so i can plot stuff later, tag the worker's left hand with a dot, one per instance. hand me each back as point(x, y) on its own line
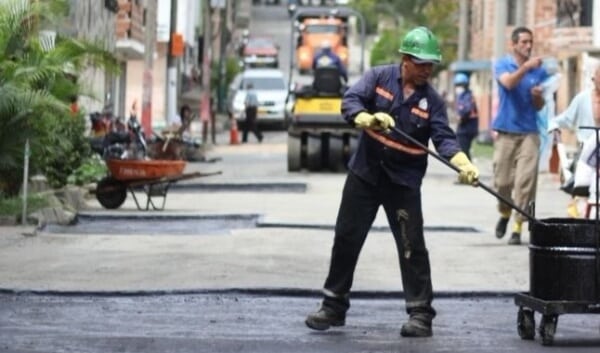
point(469, 174)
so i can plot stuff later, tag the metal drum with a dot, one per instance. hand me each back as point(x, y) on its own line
point(563, 260)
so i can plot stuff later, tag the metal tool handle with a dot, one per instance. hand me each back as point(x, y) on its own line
point(479, 183)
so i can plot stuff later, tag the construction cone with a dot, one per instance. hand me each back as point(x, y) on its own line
point(234, 137)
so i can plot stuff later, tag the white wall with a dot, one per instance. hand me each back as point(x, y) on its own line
point(188, 17)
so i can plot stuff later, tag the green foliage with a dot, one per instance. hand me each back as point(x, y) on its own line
point(385, 50)
point(90, 171)
point(369, 11)
point(13, 206)
point(63, 149)
point(232, 68)
point(37, 80)
point(439, 16)
point(481, 150)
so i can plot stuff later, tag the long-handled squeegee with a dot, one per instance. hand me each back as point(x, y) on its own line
point(479, 183)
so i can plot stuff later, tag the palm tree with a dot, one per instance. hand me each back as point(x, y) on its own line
point(36, 83)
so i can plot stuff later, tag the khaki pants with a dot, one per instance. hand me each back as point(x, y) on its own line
point(516, 159)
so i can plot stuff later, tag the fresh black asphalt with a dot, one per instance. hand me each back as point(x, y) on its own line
point(242, 322)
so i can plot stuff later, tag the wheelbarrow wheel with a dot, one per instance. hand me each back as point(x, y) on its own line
point(526, 324)
point(547, 329)
point(111, 193)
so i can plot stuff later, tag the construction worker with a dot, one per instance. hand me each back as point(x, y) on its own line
point(387, 170)
point(466, 109)
point(327, 58)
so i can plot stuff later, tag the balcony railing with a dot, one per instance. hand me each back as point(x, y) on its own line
point(130, 29)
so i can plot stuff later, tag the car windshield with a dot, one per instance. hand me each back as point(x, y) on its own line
point(260, 44)
point(322, 29)
point(264, 83)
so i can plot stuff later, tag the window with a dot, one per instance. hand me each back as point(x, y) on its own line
point(574, 13)
point(322, 29)
point(112, 5)
point(511, 12)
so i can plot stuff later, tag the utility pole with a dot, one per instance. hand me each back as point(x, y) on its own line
point(149, 46)
point(222, 55)
point(205, 99)
point(172, 66)
point(500, 19)
point(463, 29)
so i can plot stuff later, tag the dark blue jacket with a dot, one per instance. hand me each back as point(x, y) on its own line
point(423, 116)
point(466, 109)
point(327, 58)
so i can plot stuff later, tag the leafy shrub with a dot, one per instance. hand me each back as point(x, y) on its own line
point(62, 149)
point(90, 171)
point(13, 206)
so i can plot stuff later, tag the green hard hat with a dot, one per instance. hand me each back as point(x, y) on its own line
point(421, 44)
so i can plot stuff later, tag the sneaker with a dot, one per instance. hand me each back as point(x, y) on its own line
point(324, 318)
point(515, 239)
point(501, 227)
point(417, 326)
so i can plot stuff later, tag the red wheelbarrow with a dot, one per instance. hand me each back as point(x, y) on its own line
point(153, 177)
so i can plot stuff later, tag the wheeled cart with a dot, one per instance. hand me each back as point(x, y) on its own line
point(564, 259)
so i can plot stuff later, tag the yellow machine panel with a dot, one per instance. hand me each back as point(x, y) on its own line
point(318, 106)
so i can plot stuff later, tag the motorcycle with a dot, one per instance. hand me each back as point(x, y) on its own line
point(121, 140)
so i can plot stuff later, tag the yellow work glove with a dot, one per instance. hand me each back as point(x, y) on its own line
point(469, 174)
point(377, 121)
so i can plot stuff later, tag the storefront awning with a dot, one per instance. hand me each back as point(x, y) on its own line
point(470, 65)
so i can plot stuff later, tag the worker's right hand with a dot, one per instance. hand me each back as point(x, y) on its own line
point(377, 121)
point(468, 173)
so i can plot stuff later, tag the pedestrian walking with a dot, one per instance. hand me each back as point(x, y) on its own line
point(251, 113)
point(584, 110)
point(517, 144)
point(387, 170)
point(466, 110)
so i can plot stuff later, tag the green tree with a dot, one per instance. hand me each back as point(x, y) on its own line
point(37, 80)
point(439, 16)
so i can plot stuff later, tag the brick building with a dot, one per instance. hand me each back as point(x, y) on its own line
point(563, 30)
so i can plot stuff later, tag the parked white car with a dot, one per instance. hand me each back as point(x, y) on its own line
point(271, 90)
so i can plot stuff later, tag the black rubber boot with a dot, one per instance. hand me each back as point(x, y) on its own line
point(324, 318)
point(515, 239)
point(418, 325)
point(501, 227)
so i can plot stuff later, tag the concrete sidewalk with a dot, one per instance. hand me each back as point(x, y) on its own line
point(274, 258)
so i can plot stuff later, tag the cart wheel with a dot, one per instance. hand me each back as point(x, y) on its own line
point(111, 193)
point(526, 324)
point(547, 329)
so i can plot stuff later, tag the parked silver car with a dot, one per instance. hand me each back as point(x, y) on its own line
point(271, 90)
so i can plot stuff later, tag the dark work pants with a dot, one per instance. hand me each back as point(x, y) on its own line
point(251, 125)
point(466, 132)
point(359, 205)
point(465, 140)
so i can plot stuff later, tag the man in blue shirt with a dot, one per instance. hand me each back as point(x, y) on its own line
point(327, 58)
point(387, 170)
point(516, 148)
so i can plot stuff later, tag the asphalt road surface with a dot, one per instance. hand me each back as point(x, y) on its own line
point(238, 322)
